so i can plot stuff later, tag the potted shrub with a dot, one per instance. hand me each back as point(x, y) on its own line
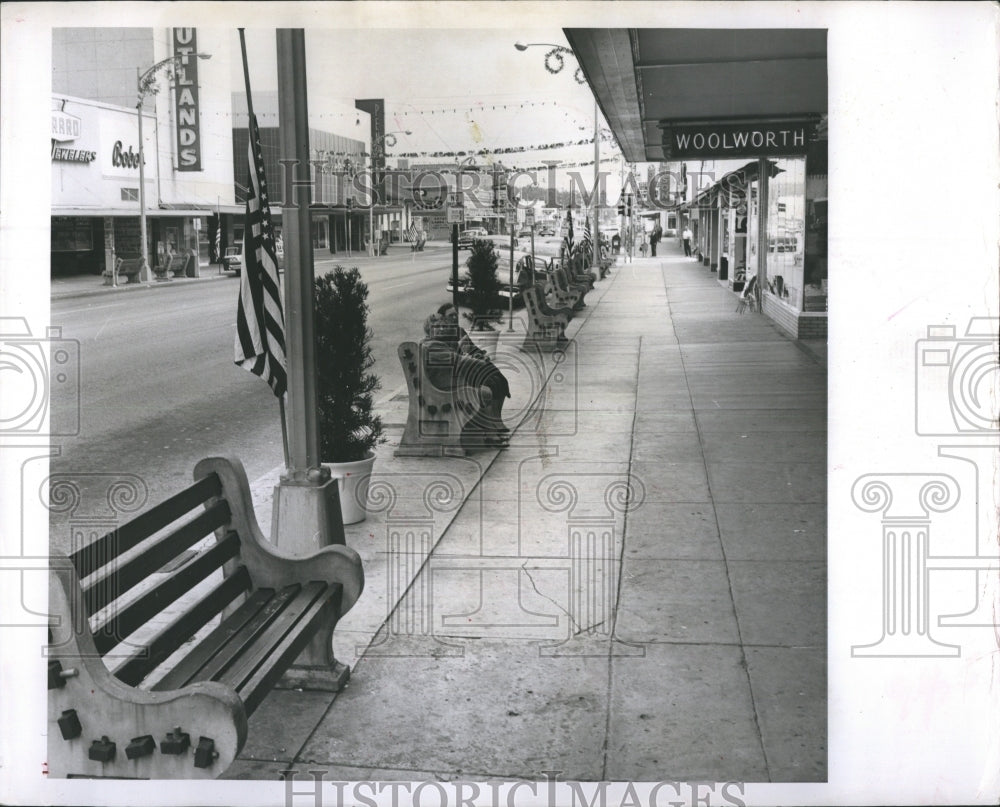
point(483, 296)
point(348, 428)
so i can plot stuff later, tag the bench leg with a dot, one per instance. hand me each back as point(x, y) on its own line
point(316, 668)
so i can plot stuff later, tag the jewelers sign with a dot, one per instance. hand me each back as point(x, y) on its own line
point(186, 109)
point(682, 141)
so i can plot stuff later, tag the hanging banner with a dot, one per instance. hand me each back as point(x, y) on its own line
point(707, 140)
point(375, 107)
point(186, 108)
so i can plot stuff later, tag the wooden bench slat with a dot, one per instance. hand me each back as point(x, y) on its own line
point(239, 673)
point(189, 667)
point(279, 658)
point(145, 607)
point(116, 581)
point(169, 639)
point(92, 557)
point(227, 647)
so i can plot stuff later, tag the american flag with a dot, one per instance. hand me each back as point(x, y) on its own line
point(569, 215)
point(411, 232)
point(586, 232)
point(260, 321)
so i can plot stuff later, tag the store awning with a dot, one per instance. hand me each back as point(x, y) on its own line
point(645, 78)
point(126, 212)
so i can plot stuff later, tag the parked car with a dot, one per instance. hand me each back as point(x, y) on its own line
point(472, 234)
point(233, 259)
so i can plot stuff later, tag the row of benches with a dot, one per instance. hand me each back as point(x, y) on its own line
point(437, 418)
point(131, 269)
point(168, 632)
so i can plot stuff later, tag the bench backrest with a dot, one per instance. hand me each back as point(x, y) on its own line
point(125, 265)
point(111, 568)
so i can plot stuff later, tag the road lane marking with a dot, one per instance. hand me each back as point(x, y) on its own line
point(398, 285)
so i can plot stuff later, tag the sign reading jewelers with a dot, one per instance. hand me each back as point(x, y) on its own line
point(186, 110)
point(737, 140)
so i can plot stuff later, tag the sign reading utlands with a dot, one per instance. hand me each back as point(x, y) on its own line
point(186, 110)
point(736, 139)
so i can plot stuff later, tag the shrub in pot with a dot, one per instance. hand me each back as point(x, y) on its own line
point(483, 297)
point(348, 427)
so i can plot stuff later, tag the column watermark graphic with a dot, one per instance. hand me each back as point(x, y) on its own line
point(956, 401)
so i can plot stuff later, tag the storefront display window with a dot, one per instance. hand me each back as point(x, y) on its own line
point(786, 216)
point(752, 228)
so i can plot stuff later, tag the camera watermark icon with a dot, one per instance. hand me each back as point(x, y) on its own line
point(958, 379)
point(957, 386)
point(35, 371)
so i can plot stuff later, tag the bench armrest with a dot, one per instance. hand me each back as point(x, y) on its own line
point(106, 706)
point(270, 566)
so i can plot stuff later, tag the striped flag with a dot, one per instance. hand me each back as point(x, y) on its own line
point(569, 237)
point(260, 321)
point(411, 232)
point(586, 232)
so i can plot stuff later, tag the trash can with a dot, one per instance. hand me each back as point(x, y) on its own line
point(616, 243)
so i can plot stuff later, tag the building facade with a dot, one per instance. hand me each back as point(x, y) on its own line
point(186, 145)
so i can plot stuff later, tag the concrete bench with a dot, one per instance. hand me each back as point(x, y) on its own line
point(546, 326)
point(569, 290)
point(436, 418)
point(131, 268)
point(164, 640)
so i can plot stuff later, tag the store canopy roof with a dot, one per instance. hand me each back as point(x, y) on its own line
point(153, 212)
point(645, 77)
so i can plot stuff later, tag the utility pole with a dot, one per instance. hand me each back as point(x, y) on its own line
point(307, 500)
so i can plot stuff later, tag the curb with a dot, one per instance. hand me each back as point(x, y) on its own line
point(134, 287)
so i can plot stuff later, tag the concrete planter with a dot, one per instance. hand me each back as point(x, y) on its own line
point(352, 480)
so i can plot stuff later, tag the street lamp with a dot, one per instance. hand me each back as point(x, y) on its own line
point(146, 85)
point(556, 55)
point(390, 141)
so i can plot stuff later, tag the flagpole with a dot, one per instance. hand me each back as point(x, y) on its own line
point(246, 80)
point(284, 430)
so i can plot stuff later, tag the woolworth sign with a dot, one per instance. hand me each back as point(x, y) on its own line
point(737, 140)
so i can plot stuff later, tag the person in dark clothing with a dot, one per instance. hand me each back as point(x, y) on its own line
point(654, 239)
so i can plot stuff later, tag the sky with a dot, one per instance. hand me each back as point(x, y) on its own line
point(453, 89)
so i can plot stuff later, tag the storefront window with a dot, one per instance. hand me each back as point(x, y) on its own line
point(815, 261)
point(786, 219)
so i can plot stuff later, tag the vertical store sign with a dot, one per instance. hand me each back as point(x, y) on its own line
point(375, 107)
point(186, 107)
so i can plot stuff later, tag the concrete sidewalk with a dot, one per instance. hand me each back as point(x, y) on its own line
point(634, 590)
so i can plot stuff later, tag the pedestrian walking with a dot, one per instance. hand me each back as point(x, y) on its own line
point(654, 239)
point(687, 236)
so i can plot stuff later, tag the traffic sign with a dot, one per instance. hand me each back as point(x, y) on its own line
point(529, 217)
point(456, 215)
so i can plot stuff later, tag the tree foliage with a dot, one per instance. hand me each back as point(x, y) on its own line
point(483, 297)
point(345, 386)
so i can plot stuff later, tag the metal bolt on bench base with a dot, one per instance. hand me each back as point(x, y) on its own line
point(176, 743)
point(69, 725)
point(102, 750)
point(140, 747)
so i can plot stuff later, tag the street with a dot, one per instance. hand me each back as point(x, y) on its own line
point(159, 390)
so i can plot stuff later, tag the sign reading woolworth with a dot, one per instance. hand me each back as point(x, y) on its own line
point(736, 139)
